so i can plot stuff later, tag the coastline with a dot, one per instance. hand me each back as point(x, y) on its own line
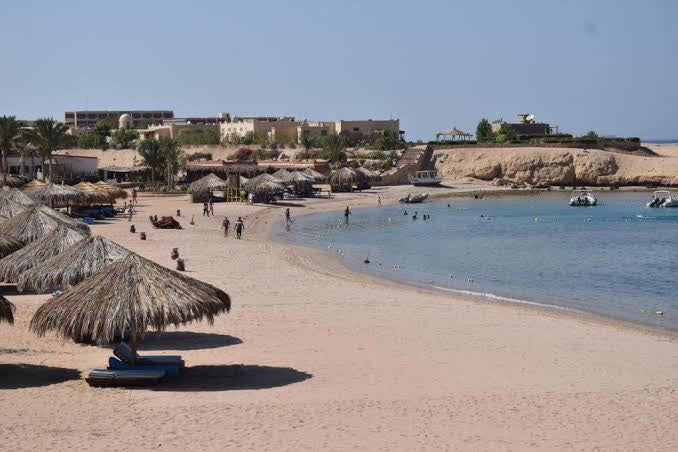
point(321, 259)
point(336, 359)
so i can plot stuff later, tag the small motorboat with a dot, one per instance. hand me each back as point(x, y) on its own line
point(413, 199)
point(663, 198)
point(428, 177)
point(583, 198)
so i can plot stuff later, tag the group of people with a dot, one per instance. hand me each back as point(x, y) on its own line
point(239, 227)
point(208, 208)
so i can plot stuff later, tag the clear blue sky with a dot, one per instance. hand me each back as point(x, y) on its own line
point(610, 66)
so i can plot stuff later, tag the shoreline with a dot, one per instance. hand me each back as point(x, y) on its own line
point(321, 258)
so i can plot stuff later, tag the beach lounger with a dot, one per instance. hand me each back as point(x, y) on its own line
point(116, 364)
point(124, 352)
point(106, 377)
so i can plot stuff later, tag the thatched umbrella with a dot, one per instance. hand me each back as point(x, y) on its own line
point(242, 180)
point(313, 174)
point(16, 195)
point(207, 183)
point(55, 195)
point(116, 192)
point(265, 188)
point(37, 252)
point(261, 178)
point(281, 174)
point(68, 268)
point(99, 195)
point(8, 245)
point(35, 222)
point(9, 208)
point(131, 296)
point(343, 179)
point(6, 310)
point(32, 186)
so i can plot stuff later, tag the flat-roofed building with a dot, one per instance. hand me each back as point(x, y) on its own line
point(367, 127)
point(271, 126)
point(525, 125)
point(87, 119)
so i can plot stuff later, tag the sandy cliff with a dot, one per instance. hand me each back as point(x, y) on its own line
point(560, 166)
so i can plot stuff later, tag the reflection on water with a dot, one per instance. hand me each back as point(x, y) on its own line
point(616, 259)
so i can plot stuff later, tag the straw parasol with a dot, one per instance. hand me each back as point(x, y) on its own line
point(260, 178)
point(8, 245)
point(265, 188)
point(9, 208)
point(369, 175)
point(97, 194)
point(281, 174)
point(129, 296)
point(6, 310)
point(32, 186)
point(313, 174)
point(68, 268)
point(56, 195)
point(210, 182)
point(116, 192)
point(345, 178)
point(38, 252)
point(35, 222)
point(16, 195)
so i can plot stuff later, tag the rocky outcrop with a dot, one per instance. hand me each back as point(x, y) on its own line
point(548, 166)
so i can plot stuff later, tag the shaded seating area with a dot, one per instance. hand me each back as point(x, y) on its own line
point(347, 179)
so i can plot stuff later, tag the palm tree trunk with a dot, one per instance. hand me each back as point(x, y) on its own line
point(32, 165)
point(21, 163)
point(49, 161)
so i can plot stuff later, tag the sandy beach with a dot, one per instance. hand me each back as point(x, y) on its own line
point(337, 360)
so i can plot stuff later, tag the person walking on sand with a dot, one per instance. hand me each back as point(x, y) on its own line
point(288, 217)
point(134, 195)
point(211, 206)
point(226, 224)
point(205, 209)
point(239, 226)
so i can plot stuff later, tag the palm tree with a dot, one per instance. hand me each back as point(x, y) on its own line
point(48, 135)
point(172, 152)
point(9, 132)
point(24, 145)
point(151, 152)
point(307, 141)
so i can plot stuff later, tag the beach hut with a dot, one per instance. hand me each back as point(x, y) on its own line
point(17, 196)
point(35, 222)
point(32, 186)
point(38, 251)
point(316, 176)
point(55, 195)
point(9, 208)
point(264, 190)
point(132, 296)
point(80, 261)
point(6, 310)
point(370, 177)
point(8, 245)
point(345, 178)
point(203, 188)
point(301, 183)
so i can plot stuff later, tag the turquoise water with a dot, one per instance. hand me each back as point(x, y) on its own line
point(617, 259)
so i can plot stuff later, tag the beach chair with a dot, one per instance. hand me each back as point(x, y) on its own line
point(116, 364)
point(106, 377)
point(125, 353)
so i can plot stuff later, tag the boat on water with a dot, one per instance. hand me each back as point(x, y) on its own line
point(426, 178)
point(663, 198)
point(413, 199)
point(583, 198)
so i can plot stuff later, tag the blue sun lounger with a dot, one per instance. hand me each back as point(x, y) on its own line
point(124, 353)
point(108, 377)
point(116, 364)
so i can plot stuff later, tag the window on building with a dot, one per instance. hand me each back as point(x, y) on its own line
point(323, 133)
point(356, 129)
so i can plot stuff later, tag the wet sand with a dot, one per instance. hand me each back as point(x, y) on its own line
point(338, 360)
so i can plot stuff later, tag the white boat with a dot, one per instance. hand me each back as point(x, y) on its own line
point(663, 198)
point(427, 177)
point(413, 199)
point(583, 198)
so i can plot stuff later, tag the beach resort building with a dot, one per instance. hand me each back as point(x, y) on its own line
point(525, 125)
point(271, 126)
point(63, 165)
point(87, 119)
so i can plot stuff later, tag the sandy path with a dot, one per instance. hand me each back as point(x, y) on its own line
point(341, 361)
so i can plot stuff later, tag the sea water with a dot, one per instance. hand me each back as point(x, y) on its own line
point(618, 259)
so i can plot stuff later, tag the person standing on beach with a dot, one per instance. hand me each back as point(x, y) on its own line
point(288, 217)
point(226, 224)
point(239, 226)
point(347, 212)
point(134, 195)
point(379, 201)
point(205, 209)
point(211, 206)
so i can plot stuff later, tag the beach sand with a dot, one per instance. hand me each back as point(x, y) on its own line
point(338, 360)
